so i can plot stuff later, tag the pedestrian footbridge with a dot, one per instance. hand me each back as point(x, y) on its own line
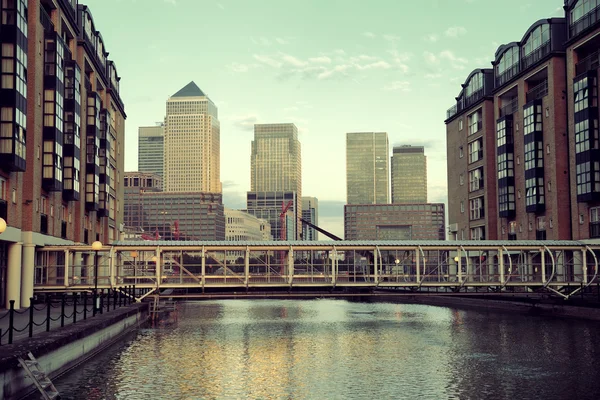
point(455, 265)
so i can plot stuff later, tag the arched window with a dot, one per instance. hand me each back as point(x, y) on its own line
point(538, 37)
point(508, 60)
point(475, 84)
point(582, 8)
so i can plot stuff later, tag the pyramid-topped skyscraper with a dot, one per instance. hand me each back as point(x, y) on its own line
point(192, 142)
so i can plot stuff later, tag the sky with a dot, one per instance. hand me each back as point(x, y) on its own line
point(329, 66)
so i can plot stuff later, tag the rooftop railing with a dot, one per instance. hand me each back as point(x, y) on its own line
point(538, 91)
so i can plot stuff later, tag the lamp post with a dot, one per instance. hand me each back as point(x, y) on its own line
point(96, 246)
point(134, 254)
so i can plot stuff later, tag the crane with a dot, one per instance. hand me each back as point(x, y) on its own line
point(176, 231)
point(149, 237)
point(284, 210)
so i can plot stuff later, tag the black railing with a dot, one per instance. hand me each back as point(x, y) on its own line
point(536, 55)
point(507, 75)
point(594, 229)
point(540, 234)
point(45, 20)
point(63, 309)
point(510, 108)
point(584, 22)
point(44, 224)
point(538, 91)
point(473, 98)
point(589, 63)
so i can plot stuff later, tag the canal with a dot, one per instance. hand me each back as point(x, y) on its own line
point(335, 349)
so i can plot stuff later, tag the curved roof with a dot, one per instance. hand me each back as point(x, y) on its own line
point(475, 71)
point(570, 3)
point(502, 49)
point(543, 21)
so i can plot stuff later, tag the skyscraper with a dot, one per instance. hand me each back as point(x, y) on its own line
point(191, 143)
point(367, 168)
point(276, 164)
point(310, 212)
point(151, 149)
point(409, 175)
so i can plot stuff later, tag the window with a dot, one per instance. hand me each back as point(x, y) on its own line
point(460, 124)
point(475, 84)
point(460, 152)
point(475, 179)
point(475, 151)
point(582, 8)
point(478, 233)
point(541, 223)
point(508, 63)
point(594, 222)
point(461, 179)
point(462, 207)
point(537, 38)
point(476, 209)
point(505, 165)
point(474, 121)
point(504, 134)
point(506, 201)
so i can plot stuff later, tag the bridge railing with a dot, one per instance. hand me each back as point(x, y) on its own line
point(443, 264)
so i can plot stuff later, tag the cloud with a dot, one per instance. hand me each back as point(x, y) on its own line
point(245, 122)
point(398, 86)
point(370, 35)
point(391, 38)
point(236, 67)
point(281, 41)
point(455, 31)
point(431, 38)
point(455, 62)
point(336, 64)
point(233, 198)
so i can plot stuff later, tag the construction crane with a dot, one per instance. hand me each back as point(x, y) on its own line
point(149, 237)
point(321, 230)
point(284, 210)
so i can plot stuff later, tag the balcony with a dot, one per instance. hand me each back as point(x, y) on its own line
point(536, 55)
point(44, 224)
point(538, 91)
point(46, 21)
point(584, 22)
point(473, 98)
point(452, 111)
point(589, 63)
point(4, 210)
point(510, 108)
point(594, 230)
point(540, 234)
point(507, 75)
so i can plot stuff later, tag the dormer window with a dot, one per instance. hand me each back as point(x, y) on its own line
point(582, 8)
point(539, 37)
point(475, 84)
point(508, 60)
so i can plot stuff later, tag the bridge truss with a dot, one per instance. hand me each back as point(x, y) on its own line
point(158, 265)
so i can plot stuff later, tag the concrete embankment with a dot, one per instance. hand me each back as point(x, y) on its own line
point(524, 305)
point(60, 350)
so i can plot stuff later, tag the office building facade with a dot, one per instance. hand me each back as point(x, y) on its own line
point(151, 149)
point(268, 206)
point(367, 168)
point(310, 213)
point(62, 135)
point(276, 166)
point(242, 226)
point(191, 143)
point(394, 222)
point(409, 174)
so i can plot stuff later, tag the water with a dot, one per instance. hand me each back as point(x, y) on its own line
point(334, 349)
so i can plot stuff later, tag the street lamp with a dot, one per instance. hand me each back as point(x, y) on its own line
point(134, 254)
point(2, 225)
point(96, 246)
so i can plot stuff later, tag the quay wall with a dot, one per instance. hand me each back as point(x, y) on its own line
point(59, 350)
point(524, 305)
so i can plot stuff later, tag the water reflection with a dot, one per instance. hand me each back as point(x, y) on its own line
point(328, 349)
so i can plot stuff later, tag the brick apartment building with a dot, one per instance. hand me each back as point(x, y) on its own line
point(62, 132)
point(510, 175)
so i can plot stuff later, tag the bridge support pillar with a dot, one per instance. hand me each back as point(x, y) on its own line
point(579, 260)
point(27, 273)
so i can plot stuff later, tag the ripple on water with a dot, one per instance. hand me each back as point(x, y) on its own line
point(328, 349)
